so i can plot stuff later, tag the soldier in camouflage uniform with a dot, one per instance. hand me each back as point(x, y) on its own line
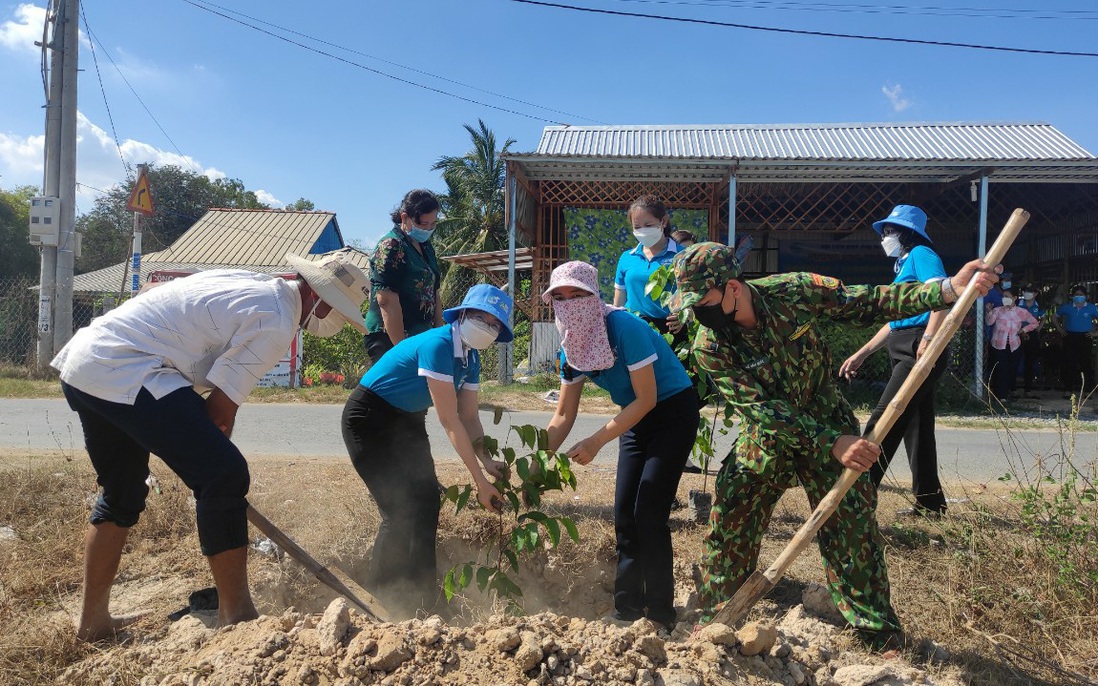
point(760, 344)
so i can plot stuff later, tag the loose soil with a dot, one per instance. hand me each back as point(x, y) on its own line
point(307, 635)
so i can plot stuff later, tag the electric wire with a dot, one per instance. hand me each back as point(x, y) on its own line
point(804, 32)
point(402, 66)
point(854, 8)
point(134, 91)
point(371, 69)
point(103, 90)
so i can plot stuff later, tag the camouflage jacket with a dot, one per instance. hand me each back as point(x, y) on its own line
point(779, 377)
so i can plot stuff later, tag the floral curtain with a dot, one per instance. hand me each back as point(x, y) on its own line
point(599, 237)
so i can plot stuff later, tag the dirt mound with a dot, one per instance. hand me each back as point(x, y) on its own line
point(342, 647)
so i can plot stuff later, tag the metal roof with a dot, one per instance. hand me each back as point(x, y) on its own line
point(247, 237)
point(809, 152)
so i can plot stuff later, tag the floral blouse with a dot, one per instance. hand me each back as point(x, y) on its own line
point(397, 266)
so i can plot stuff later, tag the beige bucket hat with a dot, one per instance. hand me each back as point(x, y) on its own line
point(337, 281)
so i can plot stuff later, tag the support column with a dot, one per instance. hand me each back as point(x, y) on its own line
point(978, 388)
point(732, 209)
point(507, 359)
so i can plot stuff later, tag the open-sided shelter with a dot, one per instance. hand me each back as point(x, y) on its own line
point(807, 195)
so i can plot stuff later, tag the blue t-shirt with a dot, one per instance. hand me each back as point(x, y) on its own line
point(400, 376)
point(921, 264)
point(1077, 319)
point(635, 345)
point(632, 274)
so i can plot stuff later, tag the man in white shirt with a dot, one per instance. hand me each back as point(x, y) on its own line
point(136, 376)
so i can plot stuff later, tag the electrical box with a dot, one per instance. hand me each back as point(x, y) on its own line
point(45, 220)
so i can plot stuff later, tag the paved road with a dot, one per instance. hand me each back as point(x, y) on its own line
point(313, 430)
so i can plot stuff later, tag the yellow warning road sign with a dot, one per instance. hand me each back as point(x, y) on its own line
point(141, 198)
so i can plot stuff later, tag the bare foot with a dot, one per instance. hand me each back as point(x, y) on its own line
point(246, 614)
point(97, 631)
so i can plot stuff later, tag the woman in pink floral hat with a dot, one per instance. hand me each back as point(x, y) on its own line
point(655, 428)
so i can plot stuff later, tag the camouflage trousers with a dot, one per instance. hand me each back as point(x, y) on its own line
point(850, 542)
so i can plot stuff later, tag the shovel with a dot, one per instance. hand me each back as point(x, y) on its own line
point(759, 583)
point(360, 597)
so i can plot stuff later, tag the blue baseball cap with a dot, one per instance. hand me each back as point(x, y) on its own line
point(486, 298)
point(907, 216)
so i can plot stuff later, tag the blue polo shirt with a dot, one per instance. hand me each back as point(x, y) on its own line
point(1077, 319)
point(635, 345)
point(632, 274)
point(400, 376)
point(921, 264)
point(1033, 309)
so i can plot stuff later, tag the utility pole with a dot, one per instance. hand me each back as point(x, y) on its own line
point(67, 241)
point(51, 188)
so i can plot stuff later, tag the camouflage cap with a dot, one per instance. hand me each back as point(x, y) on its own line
point(700, 267)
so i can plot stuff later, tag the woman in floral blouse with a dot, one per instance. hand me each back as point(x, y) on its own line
point(404, 276)
point(1007, 322)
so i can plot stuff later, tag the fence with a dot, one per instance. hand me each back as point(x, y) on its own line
point(19, 316)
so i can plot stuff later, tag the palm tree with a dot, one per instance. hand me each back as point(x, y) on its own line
point(473, 205)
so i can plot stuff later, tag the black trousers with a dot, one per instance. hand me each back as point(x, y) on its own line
point(915, 427)
point(1077, 366)
point(651, 456)
point(1031, 356)
point(1004, 367)
point(377, 344)
point(390, 451)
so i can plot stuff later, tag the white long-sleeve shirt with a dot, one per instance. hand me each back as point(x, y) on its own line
point(215, 329)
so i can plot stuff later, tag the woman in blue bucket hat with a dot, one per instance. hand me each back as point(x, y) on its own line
point(384, 428)
point(904, 237)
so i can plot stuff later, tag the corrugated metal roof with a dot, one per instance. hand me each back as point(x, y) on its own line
point(246, 238)
point(917, 142)
point(109, 279)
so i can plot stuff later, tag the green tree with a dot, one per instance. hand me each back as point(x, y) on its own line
point(180, 198)
point(473, 205)
point(301, 205)
point(18, 258)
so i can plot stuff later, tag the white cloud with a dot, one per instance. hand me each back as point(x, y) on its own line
point(20, 33)
point(895, 97)
point(98, 164)
point(268, 199)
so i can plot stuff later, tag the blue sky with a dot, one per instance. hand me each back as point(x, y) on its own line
point(292, 123)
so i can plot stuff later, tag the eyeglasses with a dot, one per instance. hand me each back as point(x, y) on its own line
point(484, 318)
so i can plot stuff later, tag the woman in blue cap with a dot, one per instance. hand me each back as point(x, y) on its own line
point(384, 428)
point(903, 237)
point(656, 428)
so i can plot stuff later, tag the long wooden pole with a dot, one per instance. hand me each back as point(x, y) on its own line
point(321, 572)
point(760, 583)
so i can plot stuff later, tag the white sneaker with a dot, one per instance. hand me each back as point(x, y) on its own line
point(551, 397)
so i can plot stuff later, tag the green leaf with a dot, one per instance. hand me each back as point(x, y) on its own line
point(497, 414)
point(463, 499)
point(448, 585)
point(570, 527)
point(543, 439)
point(522, 466)
point(466, 575)
point(511, 557)
point(528, 433)
point(553, 528)
point(484, 575)
point(509, 455)
point(513, 498)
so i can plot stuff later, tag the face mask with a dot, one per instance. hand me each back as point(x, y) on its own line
point(1006, 284)
point(477, 334)
point(1079, 299)
point(324, 328)
point(713, 316)
point(420, 235)
point(1029, 296)
point(891, 245)
point(582, 326)
point(648, 235)
point(1008, 302)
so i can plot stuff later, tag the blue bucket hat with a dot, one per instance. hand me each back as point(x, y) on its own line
point(907, 216)
point(486, 298)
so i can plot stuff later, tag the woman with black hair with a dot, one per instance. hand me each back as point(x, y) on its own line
point(655, 248)
point(903, 237)
point(404, 276)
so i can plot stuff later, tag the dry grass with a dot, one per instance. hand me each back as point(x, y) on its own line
point(980, 582)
